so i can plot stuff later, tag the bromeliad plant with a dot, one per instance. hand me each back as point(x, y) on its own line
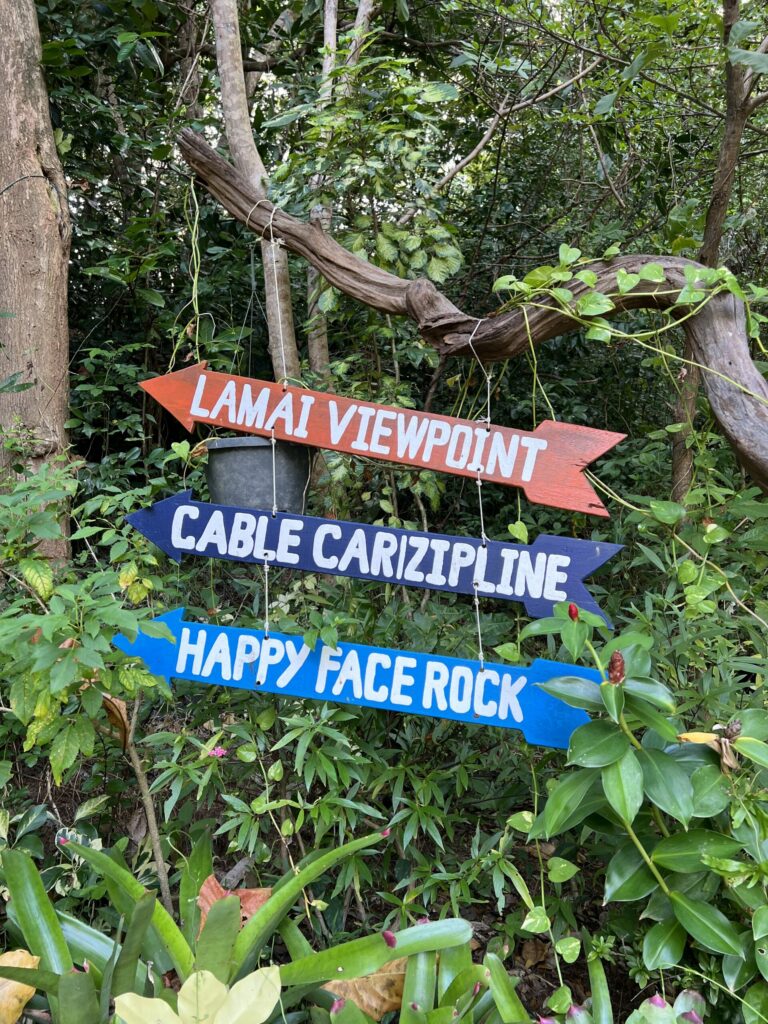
point(215, 968)
point(686, 822)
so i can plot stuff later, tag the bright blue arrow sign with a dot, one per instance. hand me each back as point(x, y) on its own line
point(540, 575)
point(417, 684)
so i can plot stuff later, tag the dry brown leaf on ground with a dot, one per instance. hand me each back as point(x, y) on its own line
point(14, 995)
point(211, 891)
point(376, 994)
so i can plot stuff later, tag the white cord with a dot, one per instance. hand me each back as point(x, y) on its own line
point(483, 536)
point(479, 631)
point(274, 475)
point(485, 374)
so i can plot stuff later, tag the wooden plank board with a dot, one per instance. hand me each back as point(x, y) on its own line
point(547, 463)
point(540, 575)
point(418, 684)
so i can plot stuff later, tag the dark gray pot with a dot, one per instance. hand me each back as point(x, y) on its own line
point(239, 473)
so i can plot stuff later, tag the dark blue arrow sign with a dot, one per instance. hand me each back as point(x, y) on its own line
point(540, 575)
point(417, 684)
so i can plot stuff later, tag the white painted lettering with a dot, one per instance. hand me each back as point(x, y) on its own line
point(219, 655)
point(380, 431)
point(377, 694)
point(186, 647)
point(554, 576)
point(177, 523)
point(366, 415)
point(250, 413)
point(410, 435)
point(400, 679)
point(435, 682)
point(502, 456)
point(327, 664)
point(349, 673)
point(337, 426)
point(246, 653)
point(463, 435)
point(227, 398)
point(241, 534)
point(508, 702)
point(319, 557)
point(196, 409)
point(463, 554)
point(307, 401)
point(289, 538)
point(483, 708)
point(214, 533)
point(356, 550)
point(534, 446)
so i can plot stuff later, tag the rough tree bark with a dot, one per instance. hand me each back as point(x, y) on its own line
point(735, 387)
point(34, 244)
point(277, 284)
point(739, 104)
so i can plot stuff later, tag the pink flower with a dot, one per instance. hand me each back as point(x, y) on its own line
point(390, 938)
point(218, 752)
point(657, 1000)
point(62, 840)
point(338, 1005)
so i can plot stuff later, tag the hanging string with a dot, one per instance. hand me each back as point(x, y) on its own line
point(274, 474)
point(261, 678)
point(485, 373)
point(483, 536)
point(481, 655)
point(275, 244)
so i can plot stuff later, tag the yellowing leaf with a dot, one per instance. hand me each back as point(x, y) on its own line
point(129, 574)
point(251, 1000)
point(14, 995)
point(378, 993)
point(133, 1009)
point(38, 575)
point(697, 737)
point(201, 997)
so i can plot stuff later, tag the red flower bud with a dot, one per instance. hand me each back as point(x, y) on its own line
point(691, 1016)
point(657, 1000)
point(390, 938)
point(338, 1004)
point(616, 669)
point(385, 832)
point(573, 612)
point(415, 1007)
point(476, 989)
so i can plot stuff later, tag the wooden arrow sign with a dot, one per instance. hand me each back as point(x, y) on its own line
point(540, 575)
point(416, 684)
point(546, 463)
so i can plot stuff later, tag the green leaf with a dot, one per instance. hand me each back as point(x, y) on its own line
point(667, 784)
point(612, 695)
point(597, 744)
point(623, 786)
point(668, 512)
point(593, 304)
point(260, 927)
point(77, 999)
point(683, 851)
point(626, 282)
point(364, 956)
point(519, 531)
point(627, 877)
point(706, 924)
point(605, 104)
point(755, 750)
point(46, 981)
point(439, 92)
point(655, 693)
point(250, 1001)
point(418, 987)
point(602, 1012)
point(755, 1005)
point(213, 952)
point(650, 718)
point(663, 945)
point(536, 921)
point(37, 919)
point(738, 971)
point(511, 1010)
point(710, 791)
point(574, 691)
point(197, 867)
point(652, 272)
point(64, 750)
point(124, 976)
point(567, 255)
point(569, 948)
point(165, 927)
point(568, 793)
point(560, 870)
point(753, 59)
point(574, 635)
point(754, 723)
point(38, 575)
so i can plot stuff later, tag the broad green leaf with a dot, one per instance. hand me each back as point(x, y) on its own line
point(754, 723)
point(663, 945)
point(627, 876)
point(569, 792)
point(77, 999)
point(626, 282)
point(536, 920)
point(668, 512)
point(418, 987)
point(683, 850)
point(706, 924)
point(560, 870)
point(605, 104)
point(567, 255)
point(760, 923)
point(653, 692)
point(213, 952)
point(165, 927)
point(612, 696)
point(738, 971)
point(124, 976)
point(451, 963)
point(511, 1010)
point(650, 718)
point(46, 981)
point(623, 786)
point(602, 1012)
point(569, 948)
point(755, 750)
point(364, 956)
point(593, 304)
point(575, 692)
point(264, 922)
point(197, 867)
point(667, 784)
point(37, 919)
point(710, 791)
point(652, 272)
point(597, 744)
point(755, 1005)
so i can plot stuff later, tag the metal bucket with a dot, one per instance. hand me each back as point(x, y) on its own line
point(239, 473)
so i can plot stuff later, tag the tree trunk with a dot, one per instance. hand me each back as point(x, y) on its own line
point(736, 114)
point(34, 247)
point(277, 285)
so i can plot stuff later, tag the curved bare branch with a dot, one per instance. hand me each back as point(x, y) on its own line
point(736, 389)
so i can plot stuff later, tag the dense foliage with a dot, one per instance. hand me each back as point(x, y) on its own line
point(643, 858)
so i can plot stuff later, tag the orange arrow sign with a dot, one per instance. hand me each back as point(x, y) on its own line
point(546, 463)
